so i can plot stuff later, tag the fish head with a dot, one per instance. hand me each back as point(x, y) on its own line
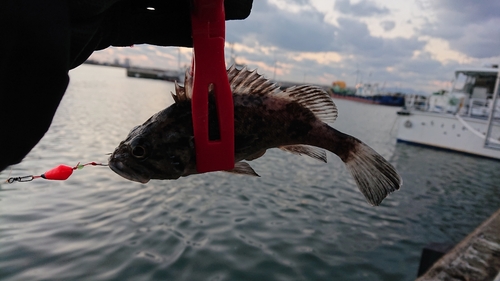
point(161, 148)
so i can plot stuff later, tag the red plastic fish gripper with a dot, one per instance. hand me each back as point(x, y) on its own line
point(208, 31)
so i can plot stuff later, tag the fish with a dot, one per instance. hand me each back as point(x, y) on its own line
point(296, 120)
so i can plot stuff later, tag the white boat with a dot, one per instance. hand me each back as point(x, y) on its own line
point(464, 119)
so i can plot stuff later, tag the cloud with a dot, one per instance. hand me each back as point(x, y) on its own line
point(268, 25)
point(470, 27)
point(388, 25)
point(364, 8)
point(467, 11)
point(480, 40)
point(306, 45)
point(355, 39)
point(319, 41)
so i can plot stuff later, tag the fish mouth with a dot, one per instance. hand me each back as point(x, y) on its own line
point(126, 172)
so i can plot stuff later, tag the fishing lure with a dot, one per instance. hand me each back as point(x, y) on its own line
point(61, 172)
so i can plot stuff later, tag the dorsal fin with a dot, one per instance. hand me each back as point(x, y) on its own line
point(315, 99)
point(245, 82)
point(242, 82)
point(180, 94)
point(184, 93)
point(188, 84)
point(314, 152)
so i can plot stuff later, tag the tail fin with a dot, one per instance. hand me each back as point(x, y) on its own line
point(376, 177)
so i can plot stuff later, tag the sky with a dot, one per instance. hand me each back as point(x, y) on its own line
point(410, 45)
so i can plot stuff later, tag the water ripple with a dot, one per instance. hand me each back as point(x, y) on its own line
point(301, 220)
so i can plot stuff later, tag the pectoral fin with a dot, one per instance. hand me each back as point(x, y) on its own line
point(255, 155)
point(243, 168)
point(314, 152)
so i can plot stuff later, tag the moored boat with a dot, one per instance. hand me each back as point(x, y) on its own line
point(151, 73)
point(466, 118)
point(366, 93)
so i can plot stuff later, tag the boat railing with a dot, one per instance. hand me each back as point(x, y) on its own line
point(417, 102)
point(472, 107)
point(493, 120)
point(483, 108)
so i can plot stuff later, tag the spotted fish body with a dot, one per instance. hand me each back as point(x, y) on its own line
point(295, 120)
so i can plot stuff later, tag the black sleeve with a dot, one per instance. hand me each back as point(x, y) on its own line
point(34, 63)
point(128, 22)
point(41, 40)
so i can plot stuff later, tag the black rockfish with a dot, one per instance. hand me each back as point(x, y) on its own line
point(294, 120)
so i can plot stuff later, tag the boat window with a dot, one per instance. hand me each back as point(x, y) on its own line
point(486, 82)
point(463, 84)
point(477, 84)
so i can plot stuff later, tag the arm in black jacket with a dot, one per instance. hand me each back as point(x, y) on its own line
point(40, 41)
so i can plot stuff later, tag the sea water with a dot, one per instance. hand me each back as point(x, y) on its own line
point(301, 220)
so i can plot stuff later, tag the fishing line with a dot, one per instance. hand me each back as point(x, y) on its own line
point(61, 172)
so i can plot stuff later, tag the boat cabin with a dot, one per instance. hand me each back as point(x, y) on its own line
point(475, 88)
point(471, 94)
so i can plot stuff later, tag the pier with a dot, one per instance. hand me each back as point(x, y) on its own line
point(150, 73)
point(477, 257)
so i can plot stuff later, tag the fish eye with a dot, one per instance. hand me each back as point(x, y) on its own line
point(139, 148)
point(139, 151)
